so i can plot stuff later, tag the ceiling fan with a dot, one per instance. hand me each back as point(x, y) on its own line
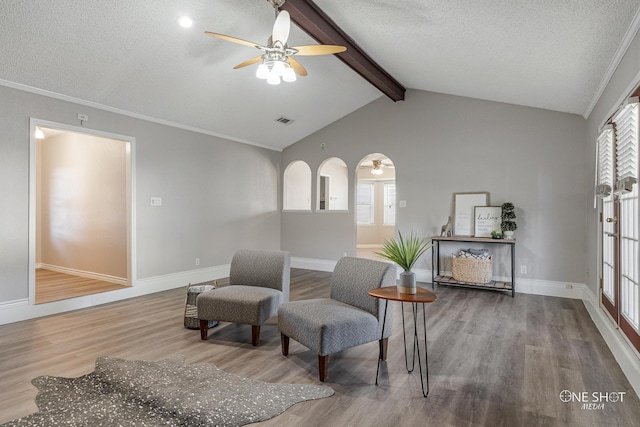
point(277, 62)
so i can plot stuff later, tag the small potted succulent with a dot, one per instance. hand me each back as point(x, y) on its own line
point(496, 234)
point(405, 252)
point(508, 225)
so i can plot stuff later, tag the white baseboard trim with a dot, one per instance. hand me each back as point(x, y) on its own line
point(15, 303)
point(624, 354)
point(86, 274)
point(313, 264)
point(548, 288)
point(369, 246)
point(16, 311)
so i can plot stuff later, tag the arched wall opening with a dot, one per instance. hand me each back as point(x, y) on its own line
point(375, 202)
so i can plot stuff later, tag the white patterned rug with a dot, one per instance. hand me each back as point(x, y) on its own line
point(165, 393)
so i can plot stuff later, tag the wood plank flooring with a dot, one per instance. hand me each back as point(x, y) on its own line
point(493, 360)
point(54, 286)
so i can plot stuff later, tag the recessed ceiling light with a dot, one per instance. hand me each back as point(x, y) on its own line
point(185, 21)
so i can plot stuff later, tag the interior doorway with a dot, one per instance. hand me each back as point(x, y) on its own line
point(81, 212)
point(375, 204)
point(325, 193)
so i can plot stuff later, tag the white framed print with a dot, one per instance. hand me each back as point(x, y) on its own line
point(464, 205)
point(487, 219)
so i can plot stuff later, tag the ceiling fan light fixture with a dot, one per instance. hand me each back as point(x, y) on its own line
point(377, 167)
point(277, 62)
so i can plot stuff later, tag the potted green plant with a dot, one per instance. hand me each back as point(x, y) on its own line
point(405, 252)
point(496, 234)
point(508, 225)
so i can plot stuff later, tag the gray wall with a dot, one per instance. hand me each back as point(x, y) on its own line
point(217, 195)
point(442, 144)
point(623, 81)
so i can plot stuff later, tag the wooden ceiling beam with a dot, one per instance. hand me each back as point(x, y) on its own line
point(312, 20)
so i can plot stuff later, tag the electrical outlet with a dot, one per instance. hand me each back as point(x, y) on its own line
point(402, 204)
point(156, 201)
point(523, 269)
point(83, 117)
point(197, 261)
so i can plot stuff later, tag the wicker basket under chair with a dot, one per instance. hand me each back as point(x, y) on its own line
point(471, 270)
point(191, 320)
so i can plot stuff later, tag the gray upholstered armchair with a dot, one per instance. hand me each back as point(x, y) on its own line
point(258, 284)
point(349, 318)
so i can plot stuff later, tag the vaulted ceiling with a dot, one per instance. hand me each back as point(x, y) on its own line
point(131, 56)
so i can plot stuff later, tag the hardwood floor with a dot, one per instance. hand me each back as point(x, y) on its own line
point(54, 286)
point(493, 360)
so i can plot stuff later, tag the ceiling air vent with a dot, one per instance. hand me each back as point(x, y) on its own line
point(284, 120)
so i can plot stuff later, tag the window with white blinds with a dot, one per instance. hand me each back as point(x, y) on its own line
point(626, 121)
point(618, 196)
point(627, 140)
point(389, 204)
point(605, 157)
point(364, 203)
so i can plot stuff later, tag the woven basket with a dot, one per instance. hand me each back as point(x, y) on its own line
point(472, 270)
point(191, 320)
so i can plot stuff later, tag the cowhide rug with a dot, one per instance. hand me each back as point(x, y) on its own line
point(164, 393)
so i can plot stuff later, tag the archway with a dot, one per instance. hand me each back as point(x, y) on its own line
point(297, 187)
point(375, 201)
point(333, 187)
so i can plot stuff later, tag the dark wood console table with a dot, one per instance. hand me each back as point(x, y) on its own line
point(437, 278)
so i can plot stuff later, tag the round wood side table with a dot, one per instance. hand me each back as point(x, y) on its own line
point(422, 296)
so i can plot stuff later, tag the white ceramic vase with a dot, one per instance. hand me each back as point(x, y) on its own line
point(407, 282)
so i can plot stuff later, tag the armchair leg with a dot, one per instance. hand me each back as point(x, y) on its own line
point(284, 342)
point(384, 343)
point(255, 335)
point(204, 329)
point(323, 366)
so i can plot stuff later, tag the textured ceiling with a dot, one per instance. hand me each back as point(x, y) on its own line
point(130, 55)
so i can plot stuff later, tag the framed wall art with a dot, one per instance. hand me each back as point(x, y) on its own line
point(464, 205)
point(486, 220)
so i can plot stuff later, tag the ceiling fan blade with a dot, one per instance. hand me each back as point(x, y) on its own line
point(318, 49)
point(281, 27)
point(297, 67)
point(234, 40)
point(248, 62)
